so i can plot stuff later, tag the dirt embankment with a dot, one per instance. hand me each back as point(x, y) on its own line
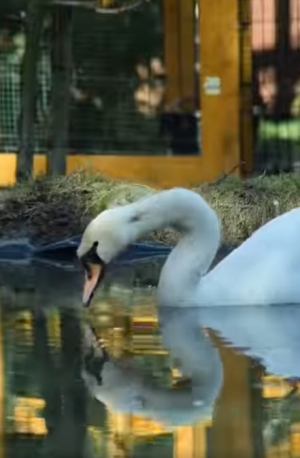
point(49, 210)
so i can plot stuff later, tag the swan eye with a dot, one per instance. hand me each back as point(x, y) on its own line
point(134, 219)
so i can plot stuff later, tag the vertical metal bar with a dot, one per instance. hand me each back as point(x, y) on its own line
point(246, 122)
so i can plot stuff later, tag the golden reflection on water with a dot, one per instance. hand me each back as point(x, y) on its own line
point(126, 320)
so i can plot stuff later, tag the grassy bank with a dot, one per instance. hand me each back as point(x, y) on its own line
point(47, 209)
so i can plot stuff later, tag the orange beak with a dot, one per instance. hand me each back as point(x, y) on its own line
point(92, 278)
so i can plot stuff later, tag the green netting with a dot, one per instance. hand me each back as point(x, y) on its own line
point(117, 90)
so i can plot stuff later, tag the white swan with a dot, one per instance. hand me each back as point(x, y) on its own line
point(122, 387)
point(240, 298)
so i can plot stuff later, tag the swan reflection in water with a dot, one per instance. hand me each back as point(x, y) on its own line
point(124, 388)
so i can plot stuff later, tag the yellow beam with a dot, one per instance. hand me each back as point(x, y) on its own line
point(179, 49)
point(171, 18)
point(187, 47)
point(184, 442)
point(247, 150)
point(220, 81)
point(157, 171)
point(232, 434)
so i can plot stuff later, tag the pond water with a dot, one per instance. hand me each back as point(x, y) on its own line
point(151, 399)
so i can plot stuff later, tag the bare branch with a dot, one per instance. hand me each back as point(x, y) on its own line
point(121, 9)
point(99, 10)
point(226, 175)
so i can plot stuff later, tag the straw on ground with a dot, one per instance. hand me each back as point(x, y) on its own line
point(49, 210)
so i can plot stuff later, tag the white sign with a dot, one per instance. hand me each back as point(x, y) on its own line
point(212, 85)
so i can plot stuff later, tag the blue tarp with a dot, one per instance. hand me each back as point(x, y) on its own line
point(65, 251)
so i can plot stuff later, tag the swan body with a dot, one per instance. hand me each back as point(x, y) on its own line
point(255, 295)
point(265, 269)
point(251, 298)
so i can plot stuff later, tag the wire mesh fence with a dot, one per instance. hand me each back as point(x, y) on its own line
point(10, 95)
point(122, 74)
point(276, 73)
point(118, 85)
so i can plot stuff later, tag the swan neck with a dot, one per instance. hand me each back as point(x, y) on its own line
point(179, 209)
point(198, 224)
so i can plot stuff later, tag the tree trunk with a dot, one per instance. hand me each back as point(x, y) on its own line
point(35, 16)
point(60, 97)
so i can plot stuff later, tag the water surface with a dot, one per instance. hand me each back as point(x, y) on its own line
point(47, 409)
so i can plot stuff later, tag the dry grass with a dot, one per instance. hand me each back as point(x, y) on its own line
point(51, 209)
point(244, 206)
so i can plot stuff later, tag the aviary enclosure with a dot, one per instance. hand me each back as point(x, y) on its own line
point(163, 91)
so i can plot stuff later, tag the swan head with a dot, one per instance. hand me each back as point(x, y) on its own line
point(104, 238)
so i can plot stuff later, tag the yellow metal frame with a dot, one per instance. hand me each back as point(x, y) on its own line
point(222, 127)
point(156, 171)
point(220, 59)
